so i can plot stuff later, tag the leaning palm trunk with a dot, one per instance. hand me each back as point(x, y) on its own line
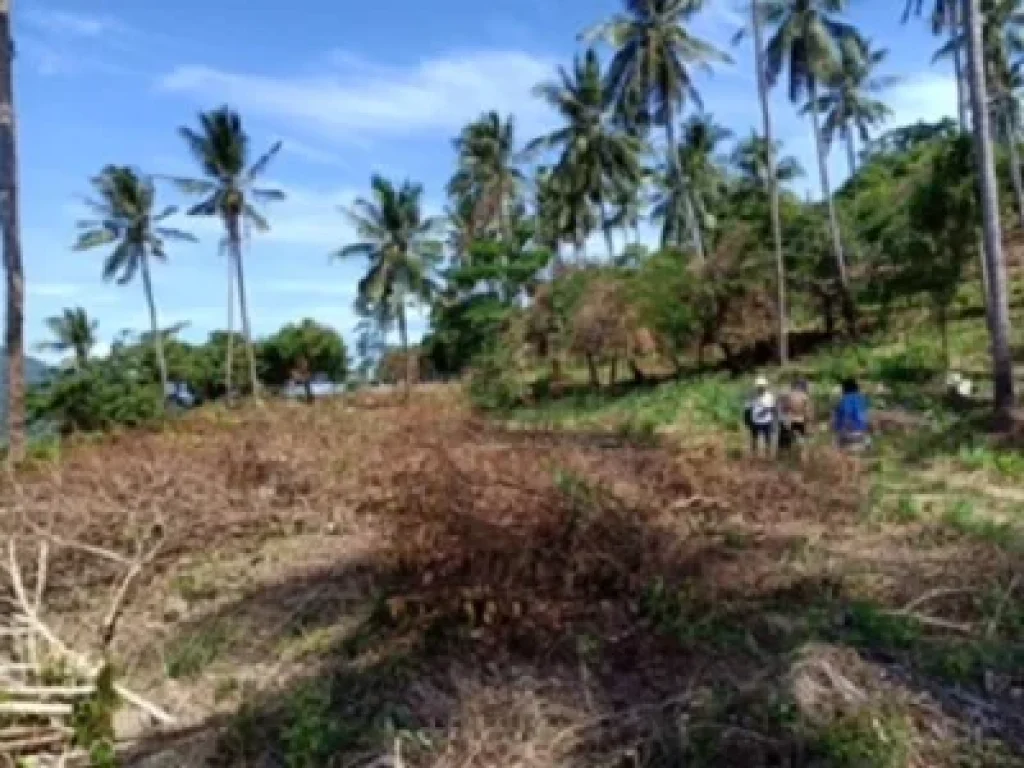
point(849, 311)
point(158, 341)
point(243, 309)
point(958, 66)
point(9, 218)
point(676, 176)
point(773, 185)
point(230, 356)
point(999, 313)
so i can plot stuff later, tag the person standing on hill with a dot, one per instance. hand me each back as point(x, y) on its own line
point(850, 420)
point(761, 416)
point(796, 412)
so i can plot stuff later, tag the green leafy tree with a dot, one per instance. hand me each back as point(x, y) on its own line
point(401, 248)
point(848, 102)
point(123, 211)
point(806, 40)
point(598, 162)
point(301, 351)
point(751, 160)
point(228, 190)
point(73, 331)
point(650, 76)
point(487, 172)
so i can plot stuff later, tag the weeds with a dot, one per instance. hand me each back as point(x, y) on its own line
point(192, 652)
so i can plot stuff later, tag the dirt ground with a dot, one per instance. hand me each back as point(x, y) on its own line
point(363, 582)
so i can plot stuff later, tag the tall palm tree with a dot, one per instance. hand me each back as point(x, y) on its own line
point(487, 170)
point(649, 77)
point(221, 149)
point(753, 161)
point(999, 312)
point(600, 163)
point(771, 175)
point(124, 215)
point(73, 331)
point(848, 102)
point(10, 221)
point(806, 41)
point(401, 247)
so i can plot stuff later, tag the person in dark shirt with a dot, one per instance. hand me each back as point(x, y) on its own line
point(850, 419)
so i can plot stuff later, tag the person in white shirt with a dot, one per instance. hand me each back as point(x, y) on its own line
point(761, 416)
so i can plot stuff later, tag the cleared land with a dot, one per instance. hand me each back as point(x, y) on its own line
point(365, 583)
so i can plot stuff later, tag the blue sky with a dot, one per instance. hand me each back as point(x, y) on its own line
point(351, 88)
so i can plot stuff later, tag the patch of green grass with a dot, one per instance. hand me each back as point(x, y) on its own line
point(194, 587)
point(1006, 464)
point(867, 739)
point(189, 654)
point(870, 626)
point(962, 518)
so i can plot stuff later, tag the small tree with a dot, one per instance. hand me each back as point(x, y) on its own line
point(300, 351)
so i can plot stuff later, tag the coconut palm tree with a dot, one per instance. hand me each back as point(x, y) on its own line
point(123, 214)
point(999, 313)
point(228, 190)
point(650, 75)
point(680, 205)
point(487, 171)
point(401, 248)
point(10, 221)
point(848, 102)
point(752, 161)
point(771, 175)
point(806, 40)
point(600, 162)
point(73, 331)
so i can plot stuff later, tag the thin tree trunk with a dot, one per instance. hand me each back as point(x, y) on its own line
point(243, 309)
point(849, 311)
point(607, 229)
point(403, 336)
point(1002, 363)
point(851, 151)
point(14, 337)
point(958, 67)
point(773, 185)
point(1010, 133)
point(158, 341)
point(230, 362)
point(676, 174)
point(595, 378)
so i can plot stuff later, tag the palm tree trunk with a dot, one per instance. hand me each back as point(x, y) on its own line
point(958, 66)
point(851, 151)
point(999, 311)
point(14, 337)
point(403, 336)
point(849, 311)
point(243, 309)
point(677, 177)
point(1010, 136)
point(773, 185)
point(158, 341)
point(230, 362)
point(606, 228)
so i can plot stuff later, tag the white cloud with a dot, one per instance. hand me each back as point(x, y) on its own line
point(928, 96)
point(438, 95)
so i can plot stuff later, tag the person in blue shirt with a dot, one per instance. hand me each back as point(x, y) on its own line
point(850, 420)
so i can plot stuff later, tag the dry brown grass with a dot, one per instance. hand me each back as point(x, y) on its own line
point(520, 598)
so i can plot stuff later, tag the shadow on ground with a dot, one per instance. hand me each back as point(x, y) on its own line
point(538, 599)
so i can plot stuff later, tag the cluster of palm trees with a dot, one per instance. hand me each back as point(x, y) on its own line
point(125, 217)
point(591, 174)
